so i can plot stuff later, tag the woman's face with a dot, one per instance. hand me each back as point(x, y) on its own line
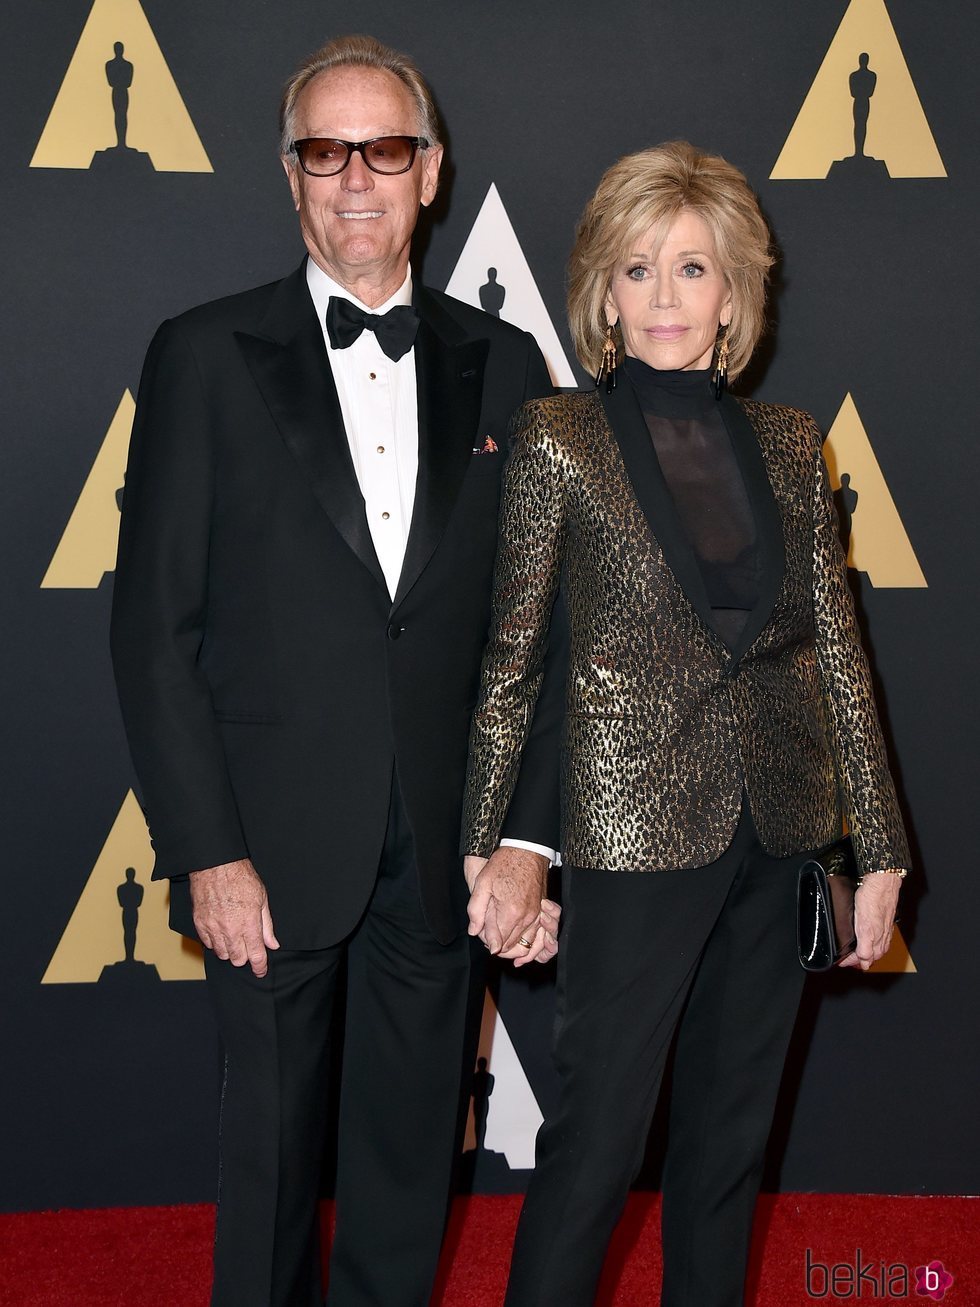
point(670, 304)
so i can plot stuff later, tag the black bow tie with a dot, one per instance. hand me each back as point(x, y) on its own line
point(395, 330)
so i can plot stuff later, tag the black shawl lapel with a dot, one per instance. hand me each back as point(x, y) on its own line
point(633, 437)
point(449, 376)
point(288, 362)
point(625, 417)
point(768, 523)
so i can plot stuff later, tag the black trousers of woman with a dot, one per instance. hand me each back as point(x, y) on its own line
point(713, 951)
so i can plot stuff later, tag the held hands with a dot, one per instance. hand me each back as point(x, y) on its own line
point(508, 904)
point(231, 914)
point(875, 901)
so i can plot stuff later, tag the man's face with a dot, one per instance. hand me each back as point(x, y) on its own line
point(358, 224)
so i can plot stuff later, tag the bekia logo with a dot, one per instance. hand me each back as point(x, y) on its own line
point(932, 1281)
point(869, 1280)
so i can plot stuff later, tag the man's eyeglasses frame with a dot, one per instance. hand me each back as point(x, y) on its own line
point(415, 143)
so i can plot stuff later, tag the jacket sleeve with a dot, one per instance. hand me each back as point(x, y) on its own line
point(526, 581)
point(871, 806)
point(534, 812)
point(535, 807)
point(159, 617)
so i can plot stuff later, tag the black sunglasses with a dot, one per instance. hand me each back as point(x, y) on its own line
point(321, 156)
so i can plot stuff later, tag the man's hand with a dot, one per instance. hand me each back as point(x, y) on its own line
point(544, 945)
point(506, 896)
point(231, 914)
point(875, 901)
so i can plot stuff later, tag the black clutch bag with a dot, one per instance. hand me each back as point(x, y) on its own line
point(825, 907)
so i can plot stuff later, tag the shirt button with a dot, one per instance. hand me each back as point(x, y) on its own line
point(381, 449)
point(373, 376)
point(385, 516)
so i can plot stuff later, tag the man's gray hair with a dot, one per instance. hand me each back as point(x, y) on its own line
point(358, 52)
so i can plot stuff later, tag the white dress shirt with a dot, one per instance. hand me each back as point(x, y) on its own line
point(379, 403)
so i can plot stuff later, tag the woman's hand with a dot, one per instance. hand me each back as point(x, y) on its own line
point(472, 866)
point(875, 901)
point(544, 944)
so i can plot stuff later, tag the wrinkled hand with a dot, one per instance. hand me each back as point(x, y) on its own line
point(507, 901)
point(875, 901)
point(231, 914)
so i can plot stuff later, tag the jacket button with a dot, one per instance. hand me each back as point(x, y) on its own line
point(394, 630)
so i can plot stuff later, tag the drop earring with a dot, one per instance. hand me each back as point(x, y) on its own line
point(720, 377)
point(607, 364)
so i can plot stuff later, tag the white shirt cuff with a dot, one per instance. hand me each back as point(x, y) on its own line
point(553, 856)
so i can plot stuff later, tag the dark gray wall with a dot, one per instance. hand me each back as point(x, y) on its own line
point(108, 1094)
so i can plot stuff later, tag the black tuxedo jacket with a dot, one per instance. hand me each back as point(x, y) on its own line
point(270, 688)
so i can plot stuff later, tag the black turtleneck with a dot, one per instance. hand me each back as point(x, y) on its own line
point(698, 463)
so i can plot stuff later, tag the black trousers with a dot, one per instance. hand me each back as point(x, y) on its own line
point(713, 951)
point(399, 1102)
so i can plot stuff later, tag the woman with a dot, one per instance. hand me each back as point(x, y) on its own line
point(719, 717)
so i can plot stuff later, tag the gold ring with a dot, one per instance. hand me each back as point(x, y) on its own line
point(524, 943)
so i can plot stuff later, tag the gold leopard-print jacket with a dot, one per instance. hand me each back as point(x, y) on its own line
point(664, 724)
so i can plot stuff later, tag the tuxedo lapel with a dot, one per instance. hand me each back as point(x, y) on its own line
point(449, 375)
point(768, 523)
point(632, 435)
point(288, 362)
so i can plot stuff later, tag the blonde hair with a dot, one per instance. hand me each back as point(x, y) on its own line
point(645, 191)
point(358, 52)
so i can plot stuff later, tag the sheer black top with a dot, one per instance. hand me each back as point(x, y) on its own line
point(698, 463)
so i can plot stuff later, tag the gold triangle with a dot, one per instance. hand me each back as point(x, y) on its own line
point(93, 938)
point(878, 541)
point(897, 958)
point(87, 549)
point(897, 130)
point(82, 123)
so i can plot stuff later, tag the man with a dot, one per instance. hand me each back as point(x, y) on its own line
point(301, 603)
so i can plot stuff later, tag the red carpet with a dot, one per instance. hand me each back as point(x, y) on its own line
point(158, 1256)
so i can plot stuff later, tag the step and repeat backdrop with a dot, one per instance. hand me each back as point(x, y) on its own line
point(140, 176)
